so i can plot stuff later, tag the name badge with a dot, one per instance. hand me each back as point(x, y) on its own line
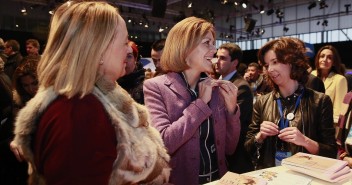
point(280, 155)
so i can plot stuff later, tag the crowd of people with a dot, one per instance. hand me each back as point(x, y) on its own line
point(83, 113)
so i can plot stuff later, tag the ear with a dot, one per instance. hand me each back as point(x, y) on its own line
point(235, 62)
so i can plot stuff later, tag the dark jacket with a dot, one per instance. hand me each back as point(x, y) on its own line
point(240, 161)
point(11, 64)
point(133, 84)
point(316, 123)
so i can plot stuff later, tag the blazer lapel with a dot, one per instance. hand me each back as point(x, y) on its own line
point(177, 85)
point(328, 81)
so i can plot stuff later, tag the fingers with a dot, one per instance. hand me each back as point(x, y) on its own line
point(17, 151)
point(268, 128)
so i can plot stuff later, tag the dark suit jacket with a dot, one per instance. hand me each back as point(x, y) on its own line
point(240, 161)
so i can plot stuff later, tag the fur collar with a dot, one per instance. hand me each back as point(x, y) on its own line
point(142, 156)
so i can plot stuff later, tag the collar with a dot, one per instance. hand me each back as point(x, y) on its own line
point(293, 96)
point(228, 77)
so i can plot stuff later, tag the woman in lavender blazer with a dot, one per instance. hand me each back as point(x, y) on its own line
point(198, 119)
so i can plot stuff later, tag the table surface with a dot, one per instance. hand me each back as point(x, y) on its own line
point(315, 181)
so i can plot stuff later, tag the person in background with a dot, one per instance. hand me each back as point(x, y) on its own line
point(11, 170)
point(229, 57)
point(2, 49)
point(81, 127)
point(32, 48)
point(132, 81)
point(156, 52)
point(241, 69)
point(198, 118)
point(25, 82)
point(256, 80)
point(14, 57)
point(291, 118)
point(330, 71)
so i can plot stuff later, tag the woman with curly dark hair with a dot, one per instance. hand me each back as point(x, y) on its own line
point(292, 118)
point(25, 82)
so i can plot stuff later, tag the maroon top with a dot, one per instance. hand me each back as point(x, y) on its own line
point(75, 142)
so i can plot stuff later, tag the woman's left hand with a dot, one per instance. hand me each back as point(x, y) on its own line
point(292, 135)
point(229, 91)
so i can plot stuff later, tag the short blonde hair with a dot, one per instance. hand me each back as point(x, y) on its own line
point(80, 33)
point(181, 40)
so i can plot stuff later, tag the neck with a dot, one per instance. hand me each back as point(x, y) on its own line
point(289, 88)
point(324, 74)
point(192, 78)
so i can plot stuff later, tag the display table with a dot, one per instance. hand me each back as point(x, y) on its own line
point(285, 171)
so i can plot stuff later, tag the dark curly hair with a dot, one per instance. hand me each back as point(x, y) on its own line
point(28, 67)
point(288, 51)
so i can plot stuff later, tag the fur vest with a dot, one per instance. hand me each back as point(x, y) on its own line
point(141, 154)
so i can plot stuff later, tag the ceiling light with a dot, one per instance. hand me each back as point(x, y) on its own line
point(269, 12)
point(261, 9)
point(325, 23)
point(286, 29)
point(244, 4)
point(189, 4)
point(323, 5)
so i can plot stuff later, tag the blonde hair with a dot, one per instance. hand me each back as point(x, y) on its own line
point(79, 35)
point(181, 40)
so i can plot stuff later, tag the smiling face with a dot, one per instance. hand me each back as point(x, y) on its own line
point(114, 63)
point(200, 57)
point(326, 60)
point(278, 72)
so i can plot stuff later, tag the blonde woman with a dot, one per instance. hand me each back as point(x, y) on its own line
point(81, 127)
point(197, 118)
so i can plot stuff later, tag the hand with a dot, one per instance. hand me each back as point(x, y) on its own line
point(206, 89)
point(349, 160)
point(292, 135)
point(246, 76)
point(229, 91)
point(267, 128)
point(17, 150)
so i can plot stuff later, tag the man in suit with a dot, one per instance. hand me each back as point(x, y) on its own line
point(229, 56)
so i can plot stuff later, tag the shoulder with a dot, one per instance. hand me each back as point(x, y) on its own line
point(316, 96)
point(239, 81)
point(87, 104)
point(314, 72)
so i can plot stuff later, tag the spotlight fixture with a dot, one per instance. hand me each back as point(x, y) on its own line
point(224, 1)
point(323, 5)
point(235, 3)
point(269, 12)
point(161, 29)
point(286, 29)
point(244, 4)
point(325, 23)
point(51, 12)
point(129, 20)
point(260, 31)
point(261, 9)
point(23, 10)
point(312, 5)
point(189, 4)
point(347, 6)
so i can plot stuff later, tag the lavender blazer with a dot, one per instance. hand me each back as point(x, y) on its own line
point(178, 119)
